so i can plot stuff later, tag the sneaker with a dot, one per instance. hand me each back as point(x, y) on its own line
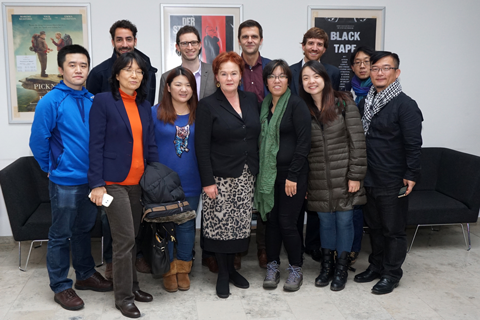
point(294, 280)
point(273, 276)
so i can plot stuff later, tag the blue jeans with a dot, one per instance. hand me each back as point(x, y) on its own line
point(358, 228)
point(336, 230)
point(185, 235)
point(73, 217)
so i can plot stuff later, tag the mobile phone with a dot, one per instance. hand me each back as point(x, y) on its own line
point(106, 200)
point(402, 192)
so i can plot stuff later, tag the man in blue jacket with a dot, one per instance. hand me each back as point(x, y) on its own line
point(250, 38)
point(59, 142)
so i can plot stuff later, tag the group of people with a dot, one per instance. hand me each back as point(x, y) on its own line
point(244, 132)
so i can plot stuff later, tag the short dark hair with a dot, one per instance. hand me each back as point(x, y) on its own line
point(184, 30)
point(250, 24)
point(377, 55)
point(123, 24)
point(123, 61)
point(365, 49)
point(316, 33)
point(73, 48)
point(272, 65)
point(187, 29)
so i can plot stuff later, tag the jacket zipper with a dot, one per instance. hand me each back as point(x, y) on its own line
point(327, 170)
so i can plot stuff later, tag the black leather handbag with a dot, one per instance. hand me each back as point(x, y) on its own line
point(160, 258)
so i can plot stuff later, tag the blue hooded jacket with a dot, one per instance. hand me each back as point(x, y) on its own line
point(60, 134)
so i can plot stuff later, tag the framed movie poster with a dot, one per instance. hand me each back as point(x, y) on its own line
point(33, 34)
point(348, 28)
point(217, 26)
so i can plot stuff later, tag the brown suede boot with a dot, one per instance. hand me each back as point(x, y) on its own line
point(183, 269)
point(170, 278)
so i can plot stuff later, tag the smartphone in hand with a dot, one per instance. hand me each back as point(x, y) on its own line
point(403, 192)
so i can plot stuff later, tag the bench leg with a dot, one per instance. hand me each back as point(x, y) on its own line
point(29, 252)
point(411, 243)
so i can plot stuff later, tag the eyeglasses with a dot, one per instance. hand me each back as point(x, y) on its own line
point(384, 69)
point(359, 63)
point(274, 77)
point(185, 44)
point(131, 71)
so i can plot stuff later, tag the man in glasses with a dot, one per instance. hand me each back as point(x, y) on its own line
point(360, 64)
point(392, 123)
point(124, 39)
point(189, 47)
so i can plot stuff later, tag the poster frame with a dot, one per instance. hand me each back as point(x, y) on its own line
point(351, 12)
point(33, 8)
point(168, 10)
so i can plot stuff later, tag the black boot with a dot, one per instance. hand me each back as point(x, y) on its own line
point(326, 273)
point(235, 278)
point(341, 272)
point(223, 288)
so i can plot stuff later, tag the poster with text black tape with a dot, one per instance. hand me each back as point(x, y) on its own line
point(345, 35)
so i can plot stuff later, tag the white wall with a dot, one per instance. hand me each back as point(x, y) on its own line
point(437, 43)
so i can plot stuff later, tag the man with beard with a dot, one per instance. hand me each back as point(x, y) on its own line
point(124, 39)
point(189, 47)
point(314, 45)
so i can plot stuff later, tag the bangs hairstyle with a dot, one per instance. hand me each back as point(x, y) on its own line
point(124, 61)
point(365, 49)
point(226, 57)
point(272, 65)
point(166, 111)
point(329, 109)
point(71, 49)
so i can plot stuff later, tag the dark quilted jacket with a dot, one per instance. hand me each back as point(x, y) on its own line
point(337, 154)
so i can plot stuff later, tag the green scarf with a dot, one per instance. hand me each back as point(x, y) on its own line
point(269, 142)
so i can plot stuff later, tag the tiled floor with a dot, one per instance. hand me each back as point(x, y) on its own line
point(441, 281)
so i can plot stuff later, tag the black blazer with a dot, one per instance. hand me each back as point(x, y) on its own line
point(111, 140)
point(224, 141)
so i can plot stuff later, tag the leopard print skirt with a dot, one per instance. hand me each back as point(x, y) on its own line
point(229, 215)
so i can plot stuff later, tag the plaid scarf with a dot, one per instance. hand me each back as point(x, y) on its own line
point(374, 102)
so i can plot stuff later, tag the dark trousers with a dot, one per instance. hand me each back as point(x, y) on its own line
point(124, 215)
point(357, 228)
point(282, 222)
point(386, 216)
point(260, 232)
point(312, 231)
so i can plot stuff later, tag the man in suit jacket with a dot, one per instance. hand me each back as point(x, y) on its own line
point(189, 47)
point(314, 45)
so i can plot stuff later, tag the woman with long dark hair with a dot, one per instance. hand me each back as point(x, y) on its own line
point(121, 143)
point(174, 121)
point(338, 164)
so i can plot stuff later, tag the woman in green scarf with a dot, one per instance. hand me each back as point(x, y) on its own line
point(282, 179)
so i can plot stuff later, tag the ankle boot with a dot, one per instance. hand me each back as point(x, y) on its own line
point(183, 269)
point(223, 288)
point(327, 270)
point(341, 272)
point(234, 277)
point(170, 278)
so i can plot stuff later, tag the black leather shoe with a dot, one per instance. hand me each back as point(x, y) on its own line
point(142, 296)
point(129, 310)
point(384, 286)
point(366, 276)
